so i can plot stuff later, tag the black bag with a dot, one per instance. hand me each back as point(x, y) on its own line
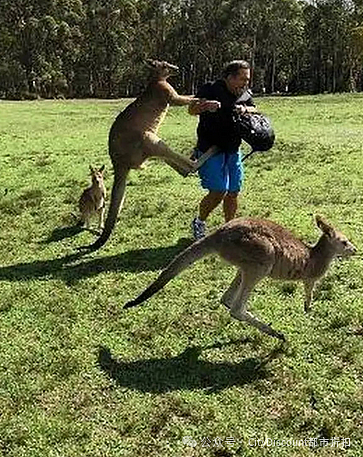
point(255, 129)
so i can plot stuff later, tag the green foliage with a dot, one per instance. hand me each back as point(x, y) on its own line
point(74, 48)
point(82, 377)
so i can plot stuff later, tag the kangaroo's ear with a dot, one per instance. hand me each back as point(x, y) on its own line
point(91, 169)
point(102, 168)
point(323, 225)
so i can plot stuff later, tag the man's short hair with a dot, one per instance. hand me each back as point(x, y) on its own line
point(232, 68)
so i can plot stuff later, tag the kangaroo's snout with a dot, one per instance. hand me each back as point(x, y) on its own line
point(352, 249)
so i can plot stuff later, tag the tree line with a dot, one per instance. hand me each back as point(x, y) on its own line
point(98, 48)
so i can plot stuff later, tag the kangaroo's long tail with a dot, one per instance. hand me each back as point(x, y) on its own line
point(187, 257)
point(117, 198)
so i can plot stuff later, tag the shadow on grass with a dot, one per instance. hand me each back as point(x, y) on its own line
point(70, 270)
point(61, 233)
point(185, 371)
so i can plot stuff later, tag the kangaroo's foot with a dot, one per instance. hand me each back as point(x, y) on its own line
point(277, 334)
point(246, 316)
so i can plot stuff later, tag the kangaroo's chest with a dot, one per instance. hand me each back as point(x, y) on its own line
point(98, 198)
point(290, 266)
point(159, 118)
point(146, 113)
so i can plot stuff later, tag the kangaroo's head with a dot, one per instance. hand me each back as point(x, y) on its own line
point(338, 241)
point(161, 69)
point(97, 175)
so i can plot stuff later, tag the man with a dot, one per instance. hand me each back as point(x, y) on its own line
point(221, 174)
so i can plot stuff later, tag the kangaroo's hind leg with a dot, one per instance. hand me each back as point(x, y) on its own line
point(239, 304)
point(155, 147)
point(101, 213)
point(230, 293)
point(86, 220)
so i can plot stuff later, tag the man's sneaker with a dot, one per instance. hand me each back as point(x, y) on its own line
point(198, 227)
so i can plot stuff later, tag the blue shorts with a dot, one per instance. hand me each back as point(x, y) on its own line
point(223, 172)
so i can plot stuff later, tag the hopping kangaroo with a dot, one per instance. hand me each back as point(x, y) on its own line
point(133, 138)
point(259, 248)
point(92, 200)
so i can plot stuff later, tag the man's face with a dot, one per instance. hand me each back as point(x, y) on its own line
point(239, 82)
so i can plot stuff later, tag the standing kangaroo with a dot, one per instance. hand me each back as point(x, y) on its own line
point(133, 138)
point(92, 200)
point(259, 248)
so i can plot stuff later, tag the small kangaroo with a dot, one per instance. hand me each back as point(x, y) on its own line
point(259, 248)
point(133, 138)
point(92, 200)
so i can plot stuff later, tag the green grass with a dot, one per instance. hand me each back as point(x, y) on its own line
point(81, 377)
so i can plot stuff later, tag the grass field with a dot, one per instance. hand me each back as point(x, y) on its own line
point(79, 376)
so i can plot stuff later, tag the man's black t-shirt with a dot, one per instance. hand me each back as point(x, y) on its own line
point(218, 128)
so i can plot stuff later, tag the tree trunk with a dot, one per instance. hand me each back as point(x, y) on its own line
point(273, 70)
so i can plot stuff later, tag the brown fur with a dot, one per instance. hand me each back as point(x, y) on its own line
point(259, 248)
point(133, 138)
point(92, 200)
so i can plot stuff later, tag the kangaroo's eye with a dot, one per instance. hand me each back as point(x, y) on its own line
point(345, 243)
